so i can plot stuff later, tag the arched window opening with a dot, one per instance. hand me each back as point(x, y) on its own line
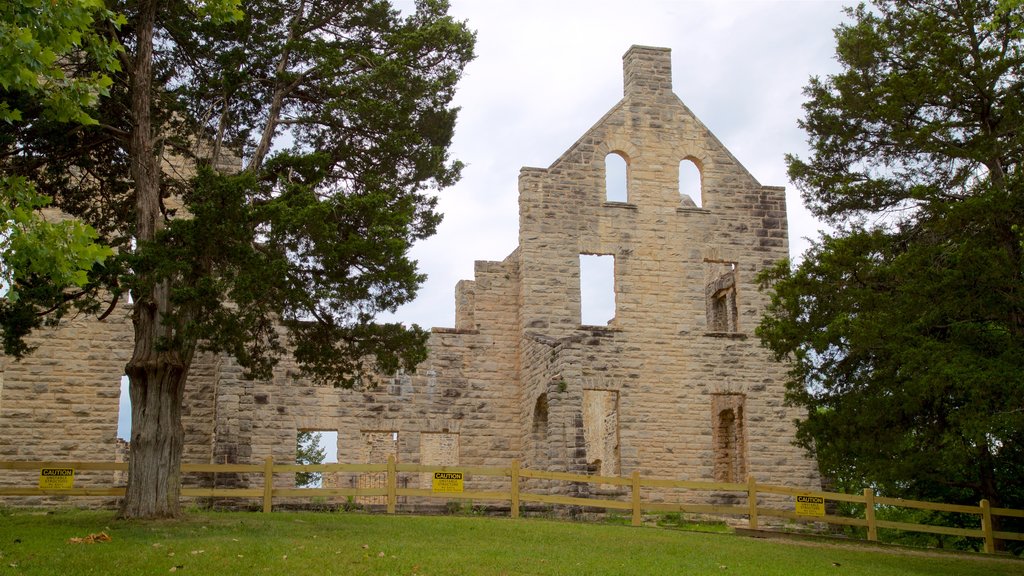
point(728, 438)
point(616, 177)
point(540, 416)
point(691, 191)
point(539, 437)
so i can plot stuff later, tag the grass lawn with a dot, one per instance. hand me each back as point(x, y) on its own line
point(323, 543)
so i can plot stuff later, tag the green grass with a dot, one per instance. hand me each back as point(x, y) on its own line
point(679, 521)
point(324, 543)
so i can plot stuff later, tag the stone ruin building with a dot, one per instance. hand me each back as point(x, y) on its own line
point(676, 385)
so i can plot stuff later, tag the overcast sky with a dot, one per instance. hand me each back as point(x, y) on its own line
point(547, 70)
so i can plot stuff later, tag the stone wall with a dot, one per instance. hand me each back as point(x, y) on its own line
point(675, 386)
point(686, 302)
point(61, 402)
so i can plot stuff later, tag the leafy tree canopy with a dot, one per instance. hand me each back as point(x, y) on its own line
point(904, 327)
point(39, 40)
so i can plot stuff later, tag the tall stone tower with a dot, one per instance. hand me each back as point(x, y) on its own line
point(676, 384)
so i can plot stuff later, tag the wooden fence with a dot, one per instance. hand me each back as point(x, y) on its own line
point(632, 485)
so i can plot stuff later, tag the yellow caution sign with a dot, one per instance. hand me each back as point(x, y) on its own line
point(56, 478)
point(810, 505)
point(448, 482)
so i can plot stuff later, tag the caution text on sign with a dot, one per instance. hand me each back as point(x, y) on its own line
point(56, 478)
point(448, 482)
point(810, 505)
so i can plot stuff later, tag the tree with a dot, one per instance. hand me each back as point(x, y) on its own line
point(36, 36)
point(309, 451)
point(904, 328)
point(262, 176)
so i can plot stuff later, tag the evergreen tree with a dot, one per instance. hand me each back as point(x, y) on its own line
point(905, 326)
point(309, 451)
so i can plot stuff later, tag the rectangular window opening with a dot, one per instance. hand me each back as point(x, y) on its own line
point(124, 412)
point(720, 294)
point(597, 289)
point(316, 447)
point(601, 431)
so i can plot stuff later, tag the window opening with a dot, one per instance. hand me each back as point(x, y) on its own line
point(720, 293)
point(729, 438)
point(539, 435)
point(616, 178)
point(601, 431)
point(540, 415)
point(124, 412)
point(691, 191)
point(597, 289)
point(316, 447)
point(124, 432)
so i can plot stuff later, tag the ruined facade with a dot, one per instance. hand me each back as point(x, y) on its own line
point(676, 385)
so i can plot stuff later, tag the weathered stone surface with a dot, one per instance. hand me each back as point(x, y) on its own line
point(676, 386)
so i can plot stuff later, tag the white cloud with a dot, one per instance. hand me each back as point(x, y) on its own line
point(547, 70)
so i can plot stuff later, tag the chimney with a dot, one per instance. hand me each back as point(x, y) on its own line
point(647, 71)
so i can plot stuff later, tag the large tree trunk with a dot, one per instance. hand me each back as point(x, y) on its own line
point(154, 468)
point(159, 363)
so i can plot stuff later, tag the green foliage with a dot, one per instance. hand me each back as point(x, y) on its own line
point(61, 251)
point(40, 43)
point(342, 114)
point(905, 515)
point(309, 451)
point(904, 327)
point(617, 518)
point(39, 261)
point(694, 524)
point(218, 11)
point(313, 232)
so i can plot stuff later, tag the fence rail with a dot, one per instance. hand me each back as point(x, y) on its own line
point(632, 485)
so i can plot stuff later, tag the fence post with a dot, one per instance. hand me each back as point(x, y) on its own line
point(986, 527)
point(515, 488)
point(869, 514)
point(268, 483)
point(392, 484)
point(752, 501)
point(636, 498)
